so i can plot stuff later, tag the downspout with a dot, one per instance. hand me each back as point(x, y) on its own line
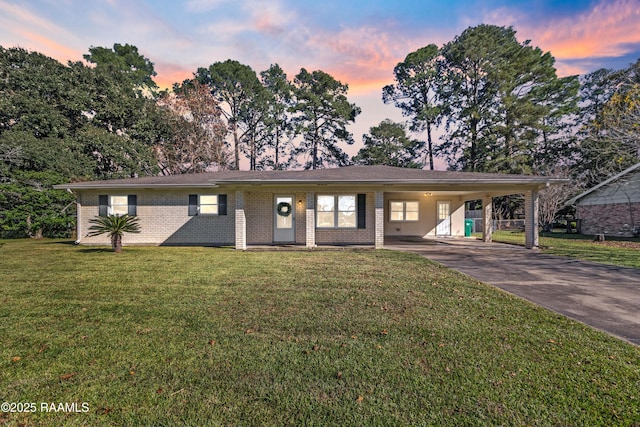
point(78, 206)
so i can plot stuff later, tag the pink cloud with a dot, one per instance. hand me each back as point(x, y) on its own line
point(363, 57)
point(168, 74)
point(564, 70)
point(26, 29)
point(55, 50)
point(608, 29)
point(273, 20)
point(604, 31)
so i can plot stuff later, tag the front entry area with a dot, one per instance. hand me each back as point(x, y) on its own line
point(284, 230)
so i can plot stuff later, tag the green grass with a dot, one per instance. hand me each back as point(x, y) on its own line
point(581, 246)
point(202, 336)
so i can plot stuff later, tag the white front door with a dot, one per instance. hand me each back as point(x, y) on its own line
point(443, 225)
point(284, 227)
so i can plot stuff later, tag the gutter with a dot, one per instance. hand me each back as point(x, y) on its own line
point(78, 222)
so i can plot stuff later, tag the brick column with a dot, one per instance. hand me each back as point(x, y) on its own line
point(311, 220)
point(379, 220)
point(241, 222)
point(487, 220)
point(531, 219)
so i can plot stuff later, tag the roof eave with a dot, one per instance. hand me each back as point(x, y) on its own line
point(97, 185)
point(573, 201)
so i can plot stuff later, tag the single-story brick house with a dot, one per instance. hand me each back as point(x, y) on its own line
point(354, 205)
point(611, 207)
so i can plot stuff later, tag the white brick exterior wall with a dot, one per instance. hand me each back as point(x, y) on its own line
point(259, 208)
point(164, 219)
point(427, 223)
point(300, 200)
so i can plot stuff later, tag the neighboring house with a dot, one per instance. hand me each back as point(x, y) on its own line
point(611, 207)
point(354, 205)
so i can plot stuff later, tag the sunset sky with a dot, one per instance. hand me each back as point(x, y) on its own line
point(358, 42)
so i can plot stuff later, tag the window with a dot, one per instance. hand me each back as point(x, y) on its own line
point(337, 211)
point(207, 204)
point(404, 211)
point(117, 205)
point(347, 211)
point(326, 211)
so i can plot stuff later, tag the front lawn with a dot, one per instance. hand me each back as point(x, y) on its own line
point(617, 251)
point(202, 336)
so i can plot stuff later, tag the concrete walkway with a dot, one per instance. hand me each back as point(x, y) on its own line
point(602, 296)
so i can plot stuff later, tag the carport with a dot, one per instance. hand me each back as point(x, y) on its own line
point(442, 195)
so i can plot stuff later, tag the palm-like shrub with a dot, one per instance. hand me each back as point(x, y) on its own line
point(114, 226)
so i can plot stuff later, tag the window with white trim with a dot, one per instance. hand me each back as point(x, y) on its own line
point(208, 204)
point(117, 204)
point(336, 211)
point(404, 211)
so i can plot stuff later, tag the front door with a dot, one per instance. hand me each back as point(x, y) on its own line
point(443, 226)
point(284, 228)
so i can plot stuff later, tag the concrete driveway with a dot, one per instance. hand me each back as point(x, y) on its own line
point(602, 296)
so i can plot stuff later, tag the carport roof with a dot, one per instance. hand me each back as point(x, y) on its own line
point(380, 175)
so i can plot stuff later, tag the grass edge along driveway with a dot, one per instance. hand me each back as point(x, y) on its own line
point(624, 252)
point(202, 336)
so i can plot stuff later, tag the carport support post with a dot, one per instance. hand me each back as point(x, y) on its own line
point(487, 221)
point(531, 219)
point(241, 222)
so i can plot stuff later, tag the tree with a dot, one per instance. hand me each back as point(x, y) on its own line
point(234, 86)
point(557, 144)
point(121, 111)
point(61, 122)
point(29, 207)
point(21, 151)
point(552, 198)
point(278, 123)
point(114, 226)
point(36, 95)
point(126, 61)
point(255, 138)
point(596, 88)
point(613, 141)
point(415, 92)
point(323, 115)
point(197, 136)
point(388, 144)
point(498, 91)
point(115, 155)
